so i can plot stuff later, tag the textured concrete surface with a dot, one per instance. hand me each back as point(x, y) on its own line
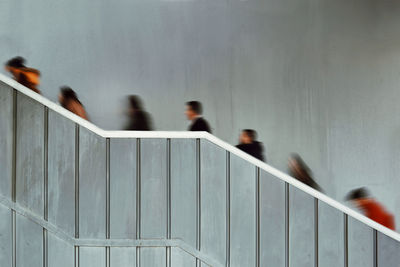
point(317, 77)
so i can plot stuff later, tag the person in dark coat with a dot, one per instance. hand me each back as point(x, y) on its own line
point(194, 111)
point(249, 144)
point(139, 119)
point(299, 170)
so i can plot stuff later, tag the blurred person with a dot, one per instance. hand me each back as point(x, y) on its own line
point(361, 198)
point(249, 144)
point(69, 100)
point(28, 77)
point(194, 111)
point(139, 119)
point(299, 170)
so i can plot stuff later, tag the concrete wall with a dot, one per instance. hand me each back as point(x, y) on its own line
point(318, 77)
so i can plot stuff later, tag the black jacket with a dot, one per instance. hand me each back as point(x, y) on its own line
point(255, 149)
point(140, 121)
point(200, 124)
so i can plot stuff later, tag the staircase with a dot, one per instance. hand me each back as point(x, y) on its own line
point(72, 195)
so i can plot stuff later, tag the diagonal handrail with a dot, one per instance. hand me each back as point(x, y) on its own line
point(202, 135)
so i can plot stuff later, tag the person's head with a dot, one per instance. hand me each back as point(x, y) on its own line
point(298, 168)
point(66, 95)
point(135, 103)
point(248, 136)
point(14, 64)
point(358, 196)
point(193, 109)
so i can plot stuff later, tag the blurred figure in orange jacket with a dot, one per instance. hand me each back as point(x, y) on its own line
point(26, 76)
point(371, 208)
point(69, 100)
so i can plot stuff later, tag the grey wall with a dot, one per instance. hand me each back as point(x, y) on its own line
point(318, 77)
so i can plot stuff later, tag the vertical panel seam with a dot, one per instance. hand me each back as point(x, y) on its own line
point(76, 181)
point(168, 256)
point(375, 247)
point(45, 163)
point(45, 248)
point(45, 182)
point(108, 256)
point(168, 188)
point(14, 148)
point(287, 258)
point(14, 238)
point(198, 200)
point(14, 179)
point(316, 233)
point(76, 256)
point(257, 217)
point(228, 208)
point(76, 251)
point(168, 249)
point(346, 239)
point(138, 199)
point(108, 188)
point(108, 221)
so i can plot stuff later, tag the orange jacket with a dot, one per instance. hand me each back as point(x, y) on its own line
point(375, 211)
point(77, 108)
point(28, 77)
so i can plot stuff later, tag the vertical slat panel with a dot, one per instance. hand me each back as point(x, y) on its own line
point(388, 251)
point(92, 185)
point(29, 243)
point(331, 238)
point(60, 254)
point(213, 200)
point(180, 258)
point(153, 188)
point(6, 139)
point(123, 188)
point(272, 220)
point(92, 257)
point(243, 213)
point(301, 228)
point(123, 257)
point(30, 142)
point(153, 257)
point(183, 190)
point(5, 237)
point(361, 245)
point(61, 170)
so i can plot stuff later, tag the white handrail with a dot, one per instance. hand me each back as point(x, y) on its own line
point(204, 135)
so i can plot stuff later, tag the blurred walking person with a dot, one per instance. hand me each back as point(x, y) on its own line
point(28, 77)
point(194, 111)
point(371, 207)
point(249, 144)
point(139, 119)
point(299, 170)
point(69, 100)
